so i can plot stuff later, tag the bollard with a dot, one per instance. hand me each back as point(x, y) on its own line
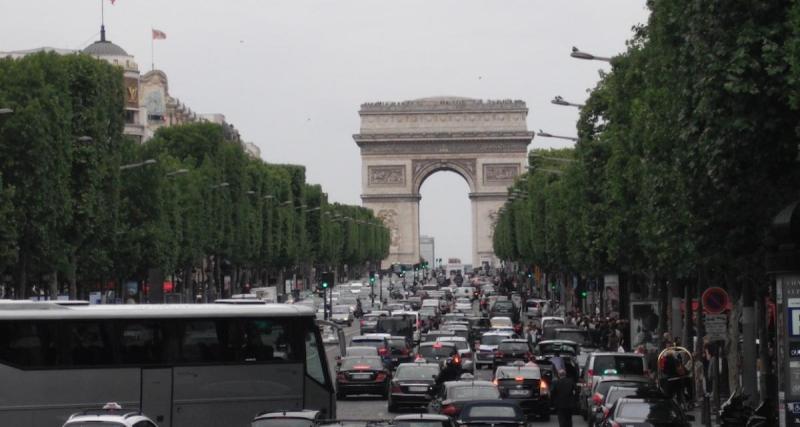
point(706, 417)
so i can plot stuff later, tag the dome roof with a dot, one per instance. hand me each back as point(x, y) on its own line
point(104, 48)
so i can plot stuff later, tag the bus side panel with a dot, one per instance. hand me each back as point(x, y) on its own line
point(233, 394)
point(49, 397)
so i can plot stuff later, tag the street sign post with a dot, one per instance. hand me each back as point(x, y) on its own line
point(715, 300)
point(716, 326)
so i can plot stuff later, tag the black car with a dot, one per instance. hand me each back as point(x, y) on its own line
point(600, 390)
point(550, 355)
point(512, 350)
point(495, 413)
point(437, 352)
point(647, 412)
point(411, 383)
point(505, 309)
point(616, 392)
point(362, 375)
point(523, 383)
point(477, 326)
point(368, 323)
point(399, 350)
point(415, 303)
point(453, 395)
point(422, 420)
point(298, 418)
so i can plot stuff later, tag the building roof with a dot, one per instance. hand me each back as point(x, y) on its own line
point(104, 48)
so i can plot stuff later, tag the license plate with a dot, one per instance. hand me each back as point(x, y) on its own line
point(394, 359)
point(418, 389)
point(362, 376)
point(518, 393)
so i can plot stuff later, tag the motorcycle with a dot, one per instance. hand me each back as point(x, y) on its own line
point(764, 415)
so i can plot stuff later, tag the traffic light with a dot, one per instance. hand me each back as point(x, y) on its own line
point(584, 294)
point(371, 278)
point(530, 274)
point(327, 280)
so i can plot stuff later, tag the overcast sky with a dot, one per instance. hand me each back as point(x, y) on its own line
point(290, 75)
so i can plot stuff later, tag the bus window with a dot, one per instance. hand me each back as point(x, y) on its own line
point(141, 342)
point(313, 358)
point(89, 343)
point(28, 343)
point(200, 342)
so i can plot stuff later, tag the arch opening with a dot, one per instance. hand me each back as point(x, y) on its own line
point(445, 214)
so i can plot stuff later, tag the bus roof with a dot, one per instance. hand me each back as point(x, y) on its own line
point(154, 311)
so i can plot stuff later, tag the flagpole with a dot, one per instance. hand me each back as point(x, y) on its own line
point(152, 54)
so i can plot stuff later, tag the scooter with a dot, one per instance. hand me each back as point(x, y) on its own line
point(764, 415)
point(734, 413)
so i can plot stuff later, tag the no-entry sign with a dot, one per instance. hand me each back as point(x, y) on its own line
point(715, 300)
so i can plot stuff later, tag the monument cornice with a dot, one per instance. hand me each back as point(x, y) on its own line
point(444, 104)
point(443, 136)
point(381, 198)
point(489, 196)
point(441, 147)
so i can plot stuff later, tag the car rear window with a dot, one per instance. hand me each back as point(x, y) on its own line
point(433, 351)
point(493, 339)
point(412, 372)
point(580, 337)
point(282, 422)
point(422, 423)
point(603, 387)
point(527, 373)
point(368, 343)
point(513, 346)
point(362, 363)
point(491, 412)
point(620, 365)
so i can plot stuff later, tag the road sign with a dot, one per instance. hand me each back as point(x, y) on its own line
point(716, 326)
point(715, 300)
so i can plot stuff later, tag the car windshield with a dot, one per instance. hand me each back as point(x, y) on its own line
point(513, 346)
point(527, 373)
point(411, 372)
point(580, 337)
point(341, 309)
point(368, 343)
point(621, 365)
point(356, 363)
point(556, 348)
point(436, 351)
point(473, 392)
point(493, 339)
point(396, 343)
point(662, 410)
point(486, 411)
point(283, 422)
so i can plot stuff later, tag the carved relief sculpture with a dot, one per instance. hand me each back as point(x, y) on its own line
point(387, 175)
point(389, 218)
point(500, 172)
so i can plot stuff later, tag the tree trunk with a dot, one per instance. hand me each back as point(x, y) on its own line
point(53, 285)
point(675, 294)
point(686, 336)
point(73, 277)
point(733, 346)
point(749, 384)
point(22, 278)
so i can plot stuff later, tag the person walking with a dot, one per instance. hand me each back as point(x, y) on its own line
point(564, 398)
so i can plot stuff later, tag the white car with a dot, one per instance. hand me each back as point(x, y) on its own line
point(111, 414)
point(501, 322)
point(355, 288)
point(464, 305)
point(464, 351)
point(489, 342)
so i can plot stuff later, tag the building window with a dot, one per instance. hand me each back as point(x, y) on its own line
point(130, 117)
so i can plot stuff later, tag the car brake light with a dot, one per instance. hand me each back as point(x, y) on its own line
point(449, 410)
point(437, 344)
point(494, 381)
point(382, 351)
point(456, 359)
point(498, 354)
point(590, 373)
point(341, 376)
point(543, 389)
point(404, 351)
point(396, 388)
point(519, 379)
point(380, 377)
point(361, 367)
point(597, 399)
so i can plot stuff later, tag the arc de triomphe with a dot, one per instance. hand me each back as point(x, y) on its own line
point(403, 143)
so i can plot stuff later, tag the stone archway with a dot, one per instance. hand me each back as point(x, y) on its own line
point(403, 143)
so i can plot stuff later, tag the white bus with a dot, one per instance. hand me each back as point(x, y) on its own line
point(182, 365)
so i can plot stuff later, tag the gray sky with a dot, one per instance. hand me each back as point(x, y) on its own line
point(290, 75)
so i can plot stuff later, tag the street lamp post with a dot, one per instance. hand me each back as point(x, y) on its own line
point(177, 172)
point(138, 165)
point(549, 135)
point(577, 53)
point(558, 100)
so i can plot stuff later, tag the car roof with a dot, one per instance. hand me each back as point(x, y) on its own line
point(428, 417)
point(564, 342)
point(488, 402)
point(513, 340)
point(496, 332)
point(625, 378)
point(419, 364)
point(306, 414)
point(437, 343)
point(614, 353)
point(450, 339)
point(469, 383)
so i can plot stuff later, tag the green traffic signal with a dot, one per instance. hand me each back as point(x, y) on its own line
point(584, 294)
point(324, 285)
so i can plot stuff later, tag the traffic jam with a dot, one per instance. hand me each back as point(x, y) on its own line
point(482, 354)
